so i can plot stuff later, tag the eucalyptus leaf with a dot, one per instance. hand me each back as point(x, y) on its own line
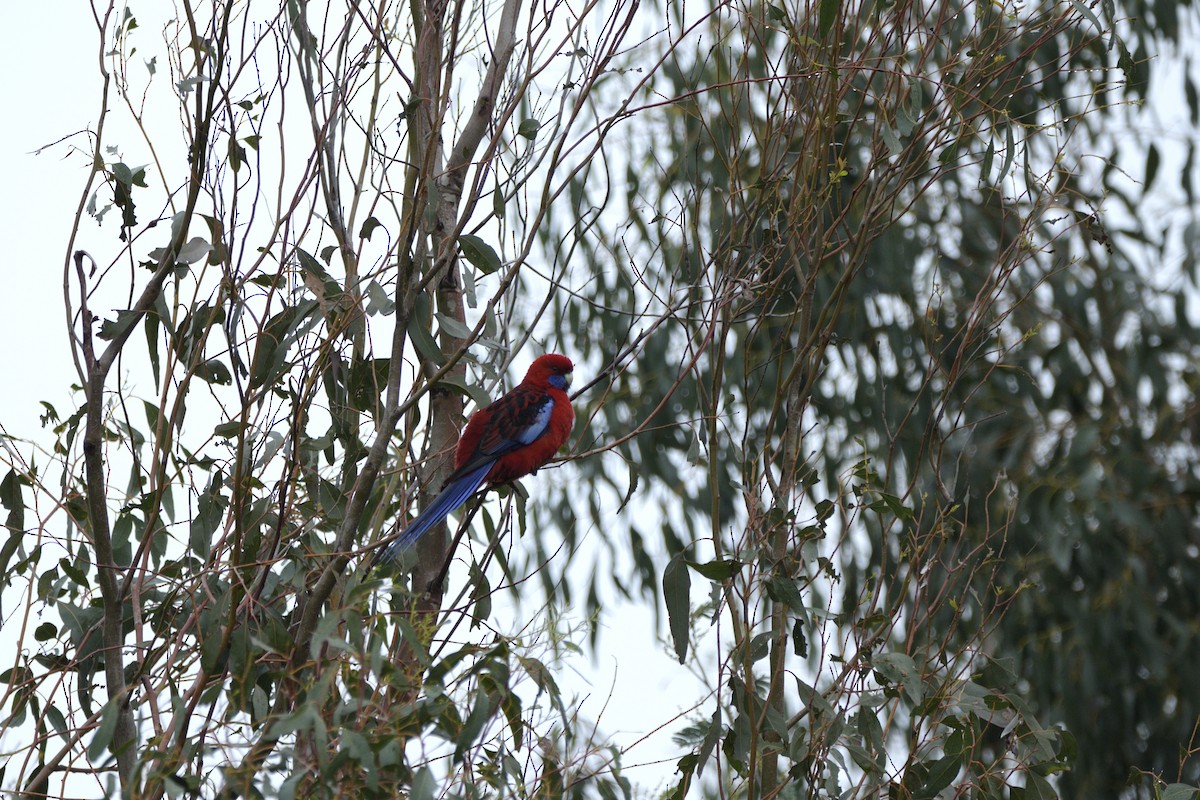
point(677, 595)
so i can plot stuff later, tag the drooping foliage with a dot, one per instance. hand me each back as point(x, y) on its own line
point(888, 425)
point(905, 236)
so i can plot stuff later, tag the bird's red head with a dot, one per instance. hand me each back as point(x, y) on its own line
point(550, 370)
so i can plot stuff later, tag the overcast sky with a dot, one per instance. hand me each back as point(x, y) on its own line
point(49, 91)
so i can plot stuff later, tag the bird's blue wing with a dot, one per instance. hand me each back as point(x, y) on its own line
point(534, 422)
point(509, 426)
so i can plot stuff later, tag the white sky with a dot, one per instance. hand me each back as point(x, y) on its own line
point(49, 91)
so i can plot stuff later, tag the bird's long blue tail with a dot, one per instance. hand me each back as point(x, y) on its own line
point(452, 496)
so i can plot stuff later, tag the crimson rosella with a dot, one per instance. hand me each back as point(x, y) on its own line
point(510, 438)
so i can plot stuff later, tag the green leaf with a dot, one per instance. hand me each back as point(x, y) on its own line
point(211, 654)
point(357, 747)
point(1152, 161)
point(152, 327)
point(236, 153)
point(711, 737)
point(719, 570)
point(50, 416)
point(1036, 788)
point(323, 285)
point(1179, 791)
point(270, 357)
point(74, 573)
point(189, 339)
point(784, 590)
point(481, 254)
point(111, 329)
point(368, 379)
point(510, 704)
point(102, 738)
point(894, 505)
point(228, 430)
point(899, 669)
point(288, 789)
point(378, 301)
point(529, 128)
point(473, 724)
point(210, 510)
point(196, 250)
point(1090, 15)
point(452, 327)
point(213, 371)
point(10, 547)
point(438, 672)
point(11, 498)
point(827, 15)
point(1010, 152)
point(419, 325)
point(686, 767)
point(799, 640)
point(890, 138)
point(424, 787)
point(677, 583)
point(57, 720)
point(736, 746)
point(124, 180)
point(129, 176)
point(481, 597)
point(989, 155)
point(814, 700)
point(368, 227)
point(543, 679)
point(82, 623)
point(941, 774)
point(760, 646)
point(468, 389)
point(15, 675)
point(998, 673)
point(633, 484)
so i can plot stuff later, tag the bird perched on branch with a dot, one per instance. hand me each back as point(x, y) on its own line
point(506, 440)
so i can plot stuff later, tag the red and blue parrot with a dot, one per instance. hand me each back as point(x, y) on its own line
point(506, 440)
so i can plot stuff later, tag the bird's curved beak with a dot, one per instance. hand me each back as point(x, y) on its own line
point(567, 378)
